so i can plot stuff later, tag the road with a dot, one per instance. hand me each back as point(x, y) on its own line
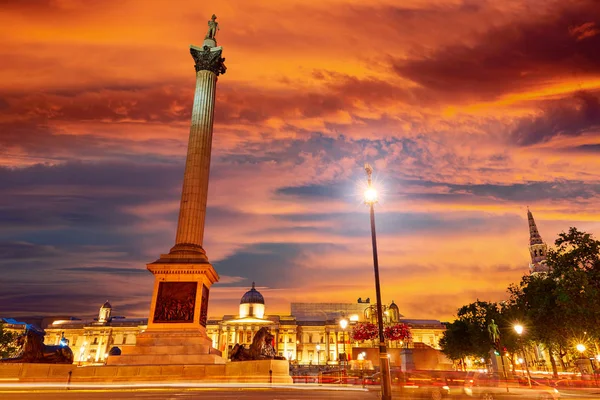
point(224, 392)
point(230, 393)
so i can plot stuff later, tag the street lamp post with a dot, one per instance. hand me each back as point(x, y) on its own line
point(519, 329)
point(384, 361)
point(343, 325)
point(581, 349)
point(318, 354)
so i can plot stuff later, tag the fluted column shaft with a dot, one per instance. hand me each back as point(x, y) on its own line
point(192, 212)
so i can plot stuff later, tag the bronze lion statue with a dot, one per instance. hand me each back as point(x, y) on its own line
point(33, 350)
point(260, 349)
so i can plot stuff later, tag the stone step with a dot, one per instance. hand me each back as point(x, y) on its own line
point(167, 349)
point(170, 340)
point(165, 359)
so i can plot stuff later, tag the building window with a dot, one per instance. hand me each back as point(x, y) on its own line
point(95, 340)
point(310, 337)
point(248, 336)
point(310, 355)
point(322, 339)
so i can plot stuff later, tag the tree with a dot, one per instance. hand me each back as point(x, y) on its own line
point(575, 265)
point(533, 303)
point(468, 335)
point(7, 345)
point(563, 305)
point(454, 342)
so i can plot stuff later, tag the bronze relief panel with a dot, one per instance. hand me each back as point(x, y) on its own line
point(175, 302)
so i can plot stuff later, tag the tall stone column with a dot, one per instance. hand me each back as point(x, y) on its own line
point(176, 332)
point(192, 211)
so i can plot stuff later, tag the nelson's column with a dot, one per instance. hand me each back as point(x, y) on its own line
point(176, 331)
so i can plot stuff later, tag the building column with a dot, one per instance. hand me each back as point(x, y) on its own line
point(327, 344)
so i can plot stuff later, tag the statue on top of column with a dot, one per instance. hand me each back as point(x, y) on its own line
point(213, 27)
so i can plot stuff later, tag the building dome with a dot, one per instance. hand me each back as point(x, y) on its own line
point(105, 311)
point(394, 313)
point(252, 304)
point(252, 296)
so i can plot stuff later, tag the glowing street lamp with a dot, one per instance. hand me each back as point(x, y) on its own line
point(344, 325)
point(384, 361)
point(580, 348)
point(519, 329)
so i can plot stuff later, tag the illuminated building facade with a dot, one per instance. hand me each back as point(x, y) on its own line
point(310, 334)
point(91, 340)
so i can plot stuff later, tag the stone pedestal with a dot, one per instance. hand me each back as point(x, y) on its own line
point(408, 363)
point(168, 347)
point(260, 372)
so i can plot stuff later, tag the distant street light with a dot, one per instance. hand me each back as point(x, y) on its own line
point(519, 329)
point(344, 325)
point(318, 354)
point(580, 348)
point(384, 361)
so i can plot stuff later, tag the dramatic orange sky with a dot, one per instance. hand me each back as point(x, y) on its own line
point(469, 111)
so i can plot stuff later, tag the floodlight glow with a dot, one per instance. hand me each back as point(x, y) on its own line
point(580, 348)
point(343, 323)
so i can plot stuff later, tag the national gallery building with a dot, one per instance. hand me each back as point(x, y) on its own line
point(310, 334)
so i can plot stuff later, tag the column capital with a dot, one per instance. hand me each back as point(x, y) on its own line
point(208, 59)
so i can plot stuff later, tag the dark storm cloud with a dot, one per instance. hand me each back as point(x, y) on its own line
point(532, 191)
point(565, 117)
point(340, 93)
point(516, 56)
point(23, 251)
point(587, 148)
point(107, 270)
point(274, 264)
point(106, 174)
point(80, 203)
point(166, 102)
point(336, 190)
point(397, 223)
point(29, 298)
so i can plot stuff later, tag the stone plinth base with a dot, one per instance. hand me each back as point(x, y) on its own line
point(56, 373)
point(264, 371)
point(168, 348)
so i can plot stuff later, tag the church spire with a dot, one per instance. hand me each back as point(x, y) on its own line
point(537, 248)
point(534, 235)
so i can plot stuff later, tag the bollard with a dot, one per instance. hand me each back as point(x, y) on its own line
point(270, 376)
point(69, 379)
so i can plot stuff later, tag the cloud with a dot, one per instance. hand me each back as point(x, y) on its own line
point(512, 57)
point(566, 117)
point(107, 270)
point(468, 111)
